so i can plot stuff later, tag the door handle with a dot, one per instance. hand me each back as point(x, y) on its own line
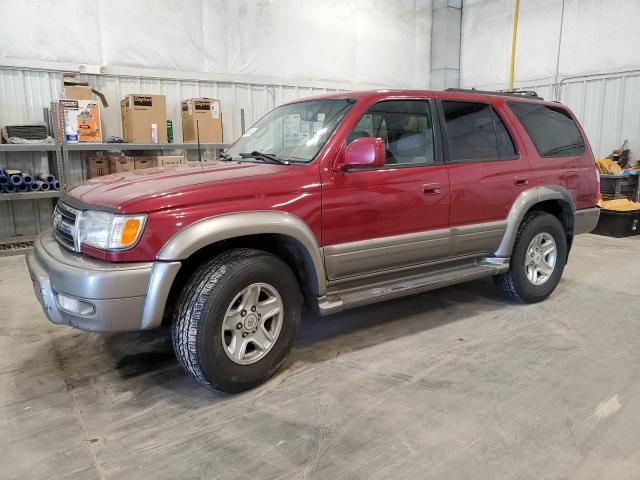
point(431, 189)
point(520, 181)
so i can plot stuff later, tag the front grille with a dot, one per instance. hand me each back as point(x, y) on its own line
point(64, 225)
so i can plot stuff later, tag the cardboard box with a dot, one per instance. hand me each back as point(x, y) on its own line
point(201, 114)
point(80, 90)
point(81, 120)
point(138, 113)
point(77, 92)
point(144, 162)
point(98, 166)
point(169, 160)
point(121, 164)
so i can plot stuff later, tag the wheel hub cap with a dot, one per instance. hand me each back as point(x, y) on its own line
point(540, 259)
point(252, 323)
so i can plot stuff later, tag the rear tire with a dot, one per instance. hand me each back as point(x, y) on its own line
point(236, 288)
point(538, 259)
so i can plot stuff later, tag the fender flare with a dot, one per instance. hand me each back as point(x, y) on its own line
point(524, 202)
point(223, 227)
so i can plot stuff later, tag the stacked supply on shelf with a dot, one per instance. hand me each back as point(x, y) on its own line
point(619, 194)
point(106, 164)
point(13, 181)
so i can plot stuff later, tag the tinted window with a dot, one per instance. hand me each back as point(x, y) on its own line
point(470, 131)
point(505, 144)
point(404, 125)
point(552, 130)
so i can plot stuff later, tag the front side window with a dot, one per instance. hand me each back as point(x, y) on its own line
point(475, 132)
point(551, 129)
point(406, 128)
point(294, 132)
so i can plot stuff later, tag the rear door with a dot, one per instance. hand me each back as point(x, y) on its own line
point(394, 216)
point(486, 172)
point(559, 152)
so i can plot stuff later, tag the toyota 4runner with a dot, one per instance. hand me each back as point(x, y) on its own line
point(330, 203)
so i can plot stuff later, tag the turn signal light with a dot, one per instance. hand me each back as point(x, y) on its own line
point(130, 231)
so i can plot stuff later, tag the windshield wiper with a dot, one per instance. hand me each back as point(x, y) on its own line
point(225, 156)
point(267, 157)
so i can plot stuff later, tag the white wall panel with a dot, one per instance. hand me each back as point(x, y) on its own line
point(32, 29)
point(597, 37)
point(350, 42)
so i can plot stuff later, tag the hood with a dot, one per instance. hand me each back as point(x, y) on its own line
point(121, 190)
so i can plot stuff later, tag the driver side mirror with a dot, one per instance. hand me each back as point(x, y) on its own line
point(363, 153)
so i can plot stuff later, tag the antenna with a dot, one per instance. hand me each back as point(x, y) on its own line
point(198, 137)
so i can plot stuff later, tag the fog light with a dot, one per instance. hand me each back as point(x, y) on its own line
point(74, 305)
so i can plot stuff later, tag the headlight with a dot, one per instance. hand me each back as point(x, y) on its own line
point(108, 231)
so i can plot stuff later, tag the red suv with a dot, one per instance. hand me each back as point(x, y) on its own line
point(330, 202)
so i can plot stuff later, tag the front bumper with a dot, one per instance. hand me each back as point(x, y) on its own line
point(123, 296)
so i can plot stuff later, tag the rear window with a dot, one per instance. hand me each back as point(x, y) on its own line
point(552, 130)
point(475, 132)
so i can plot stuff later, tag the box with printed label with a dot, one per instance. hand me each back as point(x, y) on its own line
point(169, 160)
point(144, 118)
point(81, 120)
point(203, 116)
point(120, 163)
point(98, 166)
point(144, 162)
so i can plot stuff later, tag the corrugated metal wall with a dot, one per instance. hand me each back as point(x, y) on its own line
point(24, 94)
point(608, 107)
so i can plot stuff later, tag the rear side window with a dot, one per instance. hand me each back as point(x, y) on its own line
point(475, 132)
point(552, 130)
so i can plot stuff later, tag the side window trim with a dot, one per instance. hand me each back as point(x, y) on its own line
point(494, 114)
point(438, 156)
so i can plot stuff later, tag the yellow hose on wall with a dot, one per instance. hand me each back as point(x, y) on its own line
point(514, 34)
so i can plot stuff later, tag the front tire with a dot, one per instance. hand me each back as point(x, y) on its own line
point(538, 259)
point(236, 320)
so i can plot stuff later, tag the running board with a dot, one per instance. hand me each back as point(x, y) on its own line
point(342, 299)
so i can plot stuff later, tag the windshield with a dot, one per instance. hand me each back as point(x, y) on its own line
point(294, 132)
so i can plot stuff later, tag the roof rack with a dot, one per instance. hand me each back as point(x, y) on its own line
point(506, 93)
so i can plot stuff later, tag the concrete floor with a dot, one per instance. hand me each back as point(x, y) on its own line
point(452, 384)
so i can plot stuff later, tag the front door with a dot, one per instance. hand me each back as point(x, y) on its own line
point(395, 216)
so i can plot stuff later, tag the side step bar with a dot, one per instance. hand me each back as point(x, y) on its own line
point(338, 300)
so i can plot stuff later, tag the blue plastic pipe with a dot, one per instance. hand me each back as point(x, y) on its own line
point(46, 177)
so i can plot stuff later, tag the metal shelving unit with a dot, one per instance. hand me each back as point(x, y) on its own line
point(5, 197)
point(29, 147)
point(121, 147)
point(69, 148)
point(21, 243)
point(16, 245)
